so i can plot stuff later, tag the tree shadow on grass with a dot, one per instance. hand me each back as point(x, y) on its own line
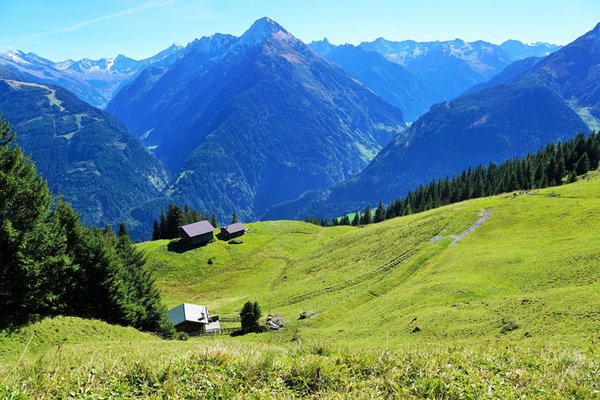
point(222, 236)
point(180, 246)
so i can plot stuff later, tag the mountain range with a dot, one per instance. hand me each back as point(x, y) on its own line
point(537, 103)
point(391, 81)
point(244, 123)
point(451, 67)
point(93, 81)
point(268, 127)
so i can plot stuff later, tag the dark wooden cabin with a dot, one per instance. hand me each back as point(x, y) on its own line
point(233, 231)
point(197, 233)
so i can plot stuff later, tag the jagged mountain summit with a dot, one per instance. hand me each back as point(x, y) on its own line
point(87, 156)
point(451, 67)
point(389, 80)
point(518, 50)
point(93, 81)
point(244, 123)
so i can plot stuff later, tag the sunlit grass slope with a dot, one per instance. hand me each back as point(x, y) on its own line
point(86, 365)
point(535, 261)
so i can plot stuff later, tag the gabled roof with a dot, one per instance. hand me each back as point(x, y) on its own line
point(235, 228)
point(188, 312)
point(197, 228)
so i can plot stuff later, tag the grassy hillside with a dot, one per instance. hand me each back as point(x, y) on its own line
point(71, 361)
point(535, 262)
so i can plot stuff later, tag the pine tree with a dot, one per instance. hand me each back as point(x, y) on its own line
point(187, 215)
point(367, 217)
point(234, 218)
point(379, 213)
point(174, 221)
point(45, 269)
point(583, 164)
point(572, 177)
point(163, 225)
point(123, 233)
point(213, 220)
point(249, 315)
point(195, 216)
point(155, 231)
point(24, 203)
point(356, 219)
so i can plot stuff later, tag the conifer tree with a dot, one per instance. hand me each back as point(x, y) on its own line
point(174, 221)
point(163, 225)
point(24, 203)
point(155, 231)
point(356, 219)
point(572, 177)
point(583, 164)
point(249, 315)
point(187, 215)
point(195, 216)
point(234, 218)
point(379, 213)
point(123, 233)
point(366, 217)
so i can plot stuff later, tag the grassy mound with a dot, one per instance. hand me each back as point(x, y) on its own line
point(59, 331)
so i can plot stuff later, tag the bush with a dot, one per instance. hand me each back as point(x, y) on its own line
point(250, 315)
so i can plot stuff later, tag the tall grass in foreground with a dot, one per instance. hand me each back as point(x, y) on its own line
point(190, 370)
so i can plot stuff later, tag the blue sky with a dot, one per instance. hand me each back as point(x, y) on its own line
point(63, 29)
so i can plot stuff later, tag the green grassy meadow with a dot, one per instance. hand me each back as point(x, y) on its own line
point(535, 261)
point(510, 311)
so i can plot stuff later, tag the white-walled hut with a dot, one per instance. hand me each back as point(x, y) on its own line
point(197, 233)
point(194, 319)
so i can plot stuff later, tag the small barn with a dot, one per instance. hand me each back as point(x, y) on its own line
point(234, 230)
point(194, 319)
point(197, 233)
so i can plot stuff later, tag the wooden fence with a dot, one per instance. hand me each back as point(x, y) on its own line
point(222, 331)
point(230, 319)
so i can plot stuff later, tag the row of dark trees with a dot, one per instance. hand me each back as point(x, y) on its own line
point(554, 165)
point(166, 227)
point(51, 265)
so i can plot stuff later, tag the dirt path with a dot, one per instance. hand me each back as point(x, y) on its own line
point(456, 238)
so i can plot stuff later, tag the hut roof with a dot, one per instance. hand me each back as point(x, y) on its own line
point(198, 228)
point(188, 312)
point(235, 228)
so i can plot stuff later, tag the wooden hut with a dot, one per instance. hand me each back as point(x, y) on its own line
point(197, 233)
point(194, 319)
point(234, 230)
